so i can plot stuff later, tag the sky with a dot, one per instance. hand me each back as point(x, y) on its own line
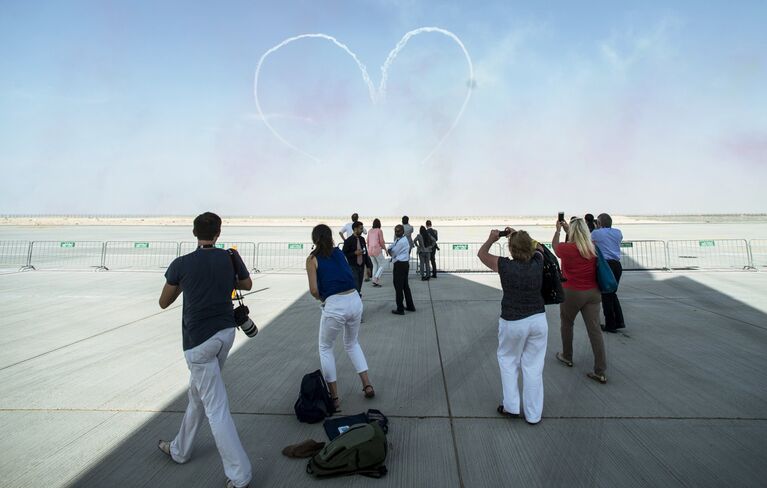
point(146, 107)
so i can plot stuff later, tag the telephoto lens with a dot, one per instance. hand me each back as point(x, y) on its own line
point(249, 327)
point(243, 321)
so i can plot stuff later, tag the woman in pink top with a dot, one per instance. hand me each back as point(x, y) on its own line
point(579, 268)
point(376, 250)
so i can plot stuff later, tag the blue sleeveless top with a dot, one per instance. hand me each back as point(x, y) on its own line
point(334, 274)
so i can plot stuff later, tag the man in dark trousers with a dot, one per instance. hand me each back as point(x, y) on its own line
point(609, 239)
point(355, 249)
point(400, 258)
point(207, 276)
point(434, 235)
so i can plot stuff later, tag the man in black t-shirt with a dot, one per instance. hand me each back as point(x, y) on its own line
point(356, 251)
point(207, 276)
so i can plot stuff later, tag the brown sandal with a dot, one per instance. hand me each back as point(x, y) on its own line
point(369, 391)
point(597, 377)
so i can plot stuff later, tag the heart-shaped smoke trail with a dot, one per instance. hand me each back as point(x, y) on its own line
point(375, 94)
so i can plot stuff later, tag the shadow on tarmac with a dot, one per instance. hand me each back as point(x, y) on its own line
point(690, 365)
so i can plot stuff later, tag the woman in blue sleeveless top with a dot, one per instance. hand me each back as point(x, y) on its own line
point(331, 282)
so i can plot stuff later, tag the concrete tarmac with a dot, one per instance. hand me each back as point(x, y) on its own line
point(92, 375)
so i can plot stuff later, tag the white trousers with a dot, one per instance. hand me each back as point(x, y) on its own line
point(207, 397)
point(341, 313)
point(378, 266)
point(522, 344)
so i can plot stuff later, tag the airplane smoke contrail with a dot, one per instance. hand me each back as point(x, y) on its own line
point(375, 95)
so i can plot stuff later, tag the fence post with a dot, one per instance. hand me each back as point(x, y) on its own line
point(28, 264)
point(668, 256)
point(751, 264)
point(258, 253)
point(255, 257)
point(103, 257)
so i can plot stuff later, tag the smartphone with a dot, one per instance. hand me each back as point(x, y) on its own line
point(561, 217)
point(503, 233)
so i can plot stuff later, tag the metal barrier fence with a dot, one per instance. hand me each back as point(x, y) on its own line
point(66, 254)
point(14, 254)
point(643, 255)
point(247, 250)
point(462, 256)
point(758, 248)
point(708, 254)
point(146, 255)
point(282, 256)
point(291, 256)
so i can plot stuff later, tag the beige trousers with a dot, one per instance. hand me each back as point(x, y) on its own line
point(587, 302)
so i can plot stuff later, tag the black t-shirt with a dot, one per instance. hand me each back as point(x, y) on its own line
point(521, 283)
point(206, 277)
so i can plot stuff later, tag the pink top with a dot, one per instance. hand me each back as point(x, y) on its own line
point(375, 242)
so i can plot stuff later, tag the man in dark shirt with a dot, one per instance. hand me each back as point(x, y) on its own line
point(355, 249)
point(207, 277)
point(433, 258)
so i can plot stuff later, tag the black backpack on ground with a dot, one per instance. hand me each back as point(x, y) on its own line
point(336, 426)
point(551, 288)
point(314, 402)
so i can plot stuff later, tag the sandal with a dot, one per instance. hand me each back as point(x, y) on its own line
point(503, 412)
point(562, 359)
point(597, 377)
point(369, 391)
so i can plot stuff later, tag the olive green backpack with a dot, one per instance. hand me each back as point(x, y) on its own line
point(360, 450)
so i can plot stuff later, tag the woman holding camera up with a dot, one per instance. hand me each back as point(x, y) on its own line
point(331, 281)
point(579, 268)
point(522, 327)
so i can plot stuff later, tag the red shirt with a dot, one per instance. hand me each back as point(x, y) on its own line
point(581, 273)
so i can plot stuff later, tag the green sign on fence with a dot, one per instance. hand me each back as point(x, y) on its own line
point(141, 245)
point(460, 247)
point(67, 244)
point(706, 243)
point(295, 245)
point(219, 245)
point(627, 244)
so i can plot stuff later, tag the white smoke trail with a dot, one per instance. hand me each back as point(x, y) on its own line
point(375, 95)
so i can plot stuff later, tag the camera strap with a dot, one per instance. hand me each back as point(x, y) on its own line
point(237, 294)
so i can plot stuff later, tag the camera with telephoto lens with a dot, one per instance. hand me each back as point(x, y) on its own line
point(244, 322)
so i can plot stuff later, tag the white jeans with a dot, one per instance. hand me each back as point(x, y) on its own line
point(207, 397)
point(378, 266)
point(522, 343)
point(341, 313)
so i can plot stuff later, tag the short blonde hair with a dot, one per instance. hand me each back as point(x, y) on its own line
point(521, 246)
point(580, 235)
